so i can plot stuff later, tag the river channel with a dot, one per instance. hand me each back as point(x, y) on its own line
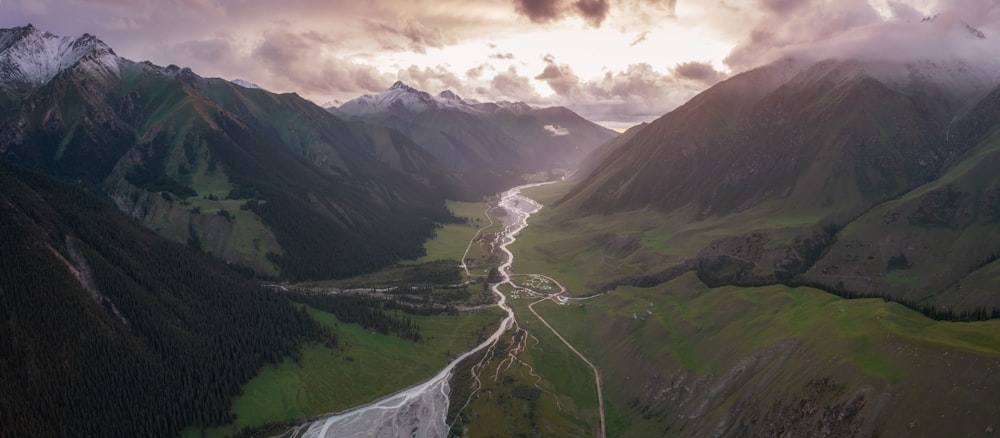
point(421, 410)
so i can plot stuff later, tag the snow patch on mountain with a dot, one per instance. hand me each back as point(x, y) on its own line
point(32, 57)
point(246, 84)
point(402, 97)
point(556, 130)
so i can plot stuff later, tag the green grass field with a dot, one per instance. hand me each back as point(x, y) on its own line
point(365, 366)
point(450, 240)
point(241, 238)
point(634, 334)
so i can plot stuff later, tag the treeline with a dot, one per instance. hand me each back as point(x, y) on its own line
point(929, 310)
point(980, 313)
point(373, 313)
point(110, 330)
point(707, 276)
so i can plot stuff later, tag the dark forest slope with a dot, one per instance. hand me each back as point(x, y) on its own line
point(111, 330)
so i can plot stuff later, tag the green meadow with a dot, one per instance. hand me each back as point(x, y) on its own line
point(450, 240)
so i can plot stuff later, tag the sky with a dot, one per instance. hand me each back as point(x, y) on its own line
point(617, 62)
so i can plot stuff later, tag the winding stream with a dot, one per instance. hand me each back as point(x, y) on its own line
point(421, 410)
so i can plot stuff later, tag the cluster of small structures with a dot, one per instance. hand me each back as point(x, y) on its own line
point(533, 286)
point(649, 312)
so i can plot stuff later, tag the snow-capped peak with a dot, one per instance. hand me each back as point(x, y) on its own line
point(406, 98)
point(32, 57)
point(400, 85)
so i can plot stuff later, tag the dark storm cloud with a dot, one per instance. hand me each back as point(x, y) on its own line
point(539, 11)
point(593, 11)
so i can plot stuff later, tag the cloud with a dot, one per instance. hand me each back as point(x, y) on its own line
point(904, 11)
point(512, 86)
point(478, 71)
point(636, 93)
point(433, 79)
point(813, 21)
point(593, 11)
point(507, 55)
point(539, 11)
point(699, 71)
point(781, 7)
point(557, 131)
point(639, 39)
point(560, 78)
point(297, 61)
point(415, 35)
point(820, 29)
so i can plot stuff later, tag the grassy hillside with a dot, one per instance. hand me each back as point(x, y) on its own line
point(682, 358)
point(945, 230)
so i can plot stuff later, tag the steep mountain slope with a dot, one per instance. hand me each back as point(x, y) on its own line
point(759, 174)
point(605, 151)
point(110, 330)
point(937, 244)
point(771, 132)
point(265, 181)
point(467, 135)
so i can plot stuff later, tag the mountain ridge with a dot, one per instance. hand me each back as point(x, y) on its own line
point(222, 166)
point(29, 56)
point(504, 139)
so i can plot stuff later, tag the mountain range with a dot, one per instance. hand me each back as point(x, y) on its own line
point(503, 138)
point(234, 170)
